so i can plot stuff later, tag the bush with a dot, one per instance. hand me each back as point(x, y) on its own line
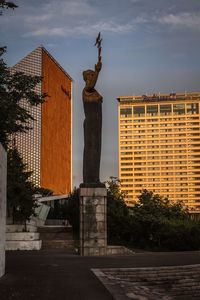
point(118, 217)
point(69, 210)
point(180, 235)
point(160, 225)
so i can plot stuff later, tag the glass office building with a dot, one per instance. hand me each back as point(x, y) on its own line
point(159, 146)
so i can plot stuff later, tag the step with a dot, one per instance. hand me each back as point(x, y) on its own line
point(67, 251)
point(56, 236)
point(22, 236)
point(57, 244)
point(20, 228)
point(52, 229)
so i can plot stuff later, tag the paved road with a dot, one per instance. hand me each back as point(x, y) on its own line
point(42, 275)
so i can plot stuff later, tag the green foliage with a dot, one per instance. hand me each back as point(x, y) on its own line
point(118, 218)
point(159, 224)
point(153, 223)
point(13, 88)
point(69, 210)
point(43, 192)
point(20, 201)
point(5, 4)
point(14, 119)
point(156, 207)
point(179, 235)
point(72, 210)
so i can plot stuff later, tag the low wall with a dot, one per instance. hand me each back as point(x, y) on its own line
point(3, 176)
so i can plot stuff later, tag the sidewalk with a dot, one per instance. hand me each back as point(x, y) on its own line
point(43, 275)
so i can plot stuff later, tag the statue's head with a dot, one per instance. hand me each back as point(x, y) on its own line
point(87, 75)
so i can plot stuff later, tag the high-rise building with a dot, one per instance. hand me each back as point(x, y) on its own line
point(159, 146)
point(47, 147)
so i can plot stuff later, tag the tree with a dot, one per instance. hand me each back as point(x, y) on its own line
point(159, 224)
point(73, 210)
point(14, 119)
point(6, 4)
point(20, 191)
point(118, 217)
point(69, 210)
point(153, 206)
point(13, 88)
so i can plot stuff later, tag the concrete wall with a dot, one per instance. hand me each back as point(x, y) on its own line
point(3, 176)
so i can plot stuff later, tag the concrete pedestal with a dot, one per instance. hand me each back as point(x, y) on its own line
point(93, 223)
point(3, 176)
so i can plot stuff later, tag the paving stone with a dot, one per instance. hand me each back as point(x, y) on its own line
point(158, 283)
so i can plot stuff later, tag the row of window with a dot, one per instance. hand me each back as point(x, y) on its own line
point(178, 121)
point(157, 147)
point(172, 130)
point(160, 141)
point(162, 109)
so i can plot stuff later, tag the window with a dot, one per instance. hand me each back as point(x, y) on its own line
point(192, 108)
point(126, 112)
point(126, 169)
point(139, 110)
point(165, 109)
point(152, 110)
point(179, 109)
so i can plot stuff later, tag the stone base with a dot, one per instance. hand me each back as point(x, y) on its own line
point(93, 224)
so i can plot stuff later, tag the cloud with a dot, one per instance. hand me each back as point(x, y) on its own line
point(56, 31)
point(83, 29)
point(38, 18)
point(69, 8)
point(188, 20)
point(55, 11)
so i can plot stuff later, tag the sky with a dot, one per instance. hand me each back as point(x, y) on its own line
point(149, 46)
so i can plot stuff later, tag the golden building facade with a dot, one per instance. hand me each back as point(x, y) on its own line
point(159, 146)
point(47, 147)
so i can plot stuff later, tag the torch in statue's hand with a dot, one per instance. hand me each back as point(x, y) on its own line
point(98, 44)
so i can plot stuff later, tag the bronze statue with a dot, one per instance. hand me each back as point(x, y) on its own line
point(92, 102)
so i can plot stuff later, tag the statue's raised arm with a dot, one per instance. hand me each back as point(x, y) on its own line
point(90, 77)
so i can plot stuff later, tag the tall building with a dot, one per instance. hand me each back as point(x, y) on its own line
point(159, 146)
point(47, 147)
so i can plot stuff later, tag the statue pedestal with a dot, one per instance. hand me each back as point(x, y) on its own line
point(93, 224)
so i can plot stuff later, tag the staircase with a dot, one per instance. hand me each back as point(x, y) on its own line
point(57, 238)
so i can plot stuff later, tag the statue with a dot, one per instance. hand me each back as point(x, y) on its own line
point(92, 102)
